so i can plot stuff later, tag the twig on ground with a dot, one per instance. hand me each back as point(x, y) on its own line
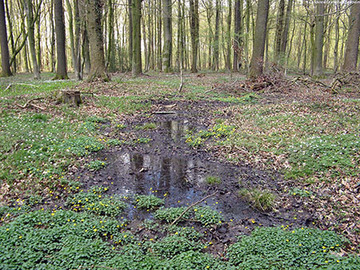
point(191, 206)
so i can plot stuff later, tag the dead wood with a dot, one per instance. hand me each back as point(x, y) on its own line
point(191, 206)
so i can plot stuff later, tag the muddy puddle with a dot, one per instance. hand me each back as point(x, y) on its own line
point(168, 168)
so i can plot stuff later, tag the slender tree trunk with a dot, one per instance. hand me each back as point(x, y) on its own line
point(317, 68)
point(77, 45)
point(38, 36)
point(11, 35)
point(285, 33)
point(257, 60)
point(96, 41)
point(31, 37)
point(130, 30)
point(111, 42)
point(159, 37)
point(136, 16)
point(216, 37)
point(228, 36)
point(237, 44)
point(194, 29)
point(5, 57)
point(52, 40)
point(248, 4)
point(71, 31)
point(61, 69)
point(167, 51)
point(337, 38)
point(352, 43)
point(279, 29)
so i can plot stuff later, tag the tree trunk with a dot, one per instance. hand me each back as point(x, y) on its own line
point(257, 60)
point(136, 30)
point(216, 37)
point(352, 43)
point(279, 29)
point(194, 30)
point(130, 31)
point(228, 36)
point(285, 33)
point(52, 39)
point(167, 51)
point(5, 57)
point(97, 60)
point(11, 34)
point(237, 44)
point(77, 44)
point(337, 38)
point(31, 37)
point(317, 68)
point(111, 42)
point(71, 30)
point(61, 69)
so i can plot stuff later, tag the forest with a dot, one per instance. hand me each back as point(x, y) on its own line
point(188, 134)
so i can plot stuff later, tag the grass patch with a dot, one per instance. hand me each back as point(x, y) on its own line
point(213, 180)
point(262, 200)
point(39, 148)
point(148, 201)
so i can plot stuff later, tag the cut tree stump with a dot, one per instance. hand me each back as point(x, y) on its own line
point(71, 97)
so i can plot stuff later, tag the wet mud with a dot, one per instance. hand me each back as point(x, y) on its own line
point(168, 168)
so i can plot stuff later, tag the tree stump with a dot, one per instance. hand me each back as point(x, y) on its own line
point(71, 97)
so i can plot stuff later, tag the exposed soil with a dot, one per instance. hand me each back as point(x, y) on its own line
point(169, 168)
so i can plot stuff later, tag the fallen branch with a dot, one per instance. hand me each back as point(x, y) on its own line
point(191, 206)
point(165, 112)
point(29, 104)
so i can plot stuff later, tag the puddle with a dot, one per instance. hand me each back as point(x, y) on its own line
point(169, 169)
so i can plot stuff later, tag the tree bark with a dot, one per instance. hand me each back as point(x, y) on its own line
point(111, 42)
point(167, 51)
point(257, 60)
point(136, 31)
point(194, 30)
point(5, 57)
point(279, 29)
point(352, 43)
point(31, 37)
point(77, 41)
point(97, 59)
point(216, 37)
point(61, 69)
point(317, 68)
point(237, 35)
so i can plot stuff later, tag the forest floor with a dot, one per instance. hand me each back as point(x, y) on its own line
point(277, 153)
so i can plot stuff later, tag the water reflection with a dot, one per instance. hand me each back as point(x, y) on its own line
point(172, 177)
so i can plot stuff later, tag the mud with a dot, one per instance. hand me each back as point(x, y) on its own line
point(168, 168)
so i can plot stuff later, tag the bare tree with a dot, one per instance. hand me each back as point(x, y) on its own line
point(136, 37)
point(61, 68)
point(94, 28)
point(257, 60)
point(352, 43)
point(167, 51)
point(317, 50)
point(5, 57)
point(31, 37)
point(194, 30)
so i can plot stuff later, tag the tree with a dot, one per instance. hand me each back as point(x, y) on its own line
point(111, 40)
point(31, 37)
point(352, 43)
point(194, 30)
point(257, 60)
point(167, 51)
point(61, 68)
point(5, 57)
point(237, 34)
point(94, 29)
point(317, 50)
point(136, 37)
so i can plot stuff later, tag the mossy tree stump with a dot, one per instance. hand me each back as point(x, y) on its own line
point(71, 97)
